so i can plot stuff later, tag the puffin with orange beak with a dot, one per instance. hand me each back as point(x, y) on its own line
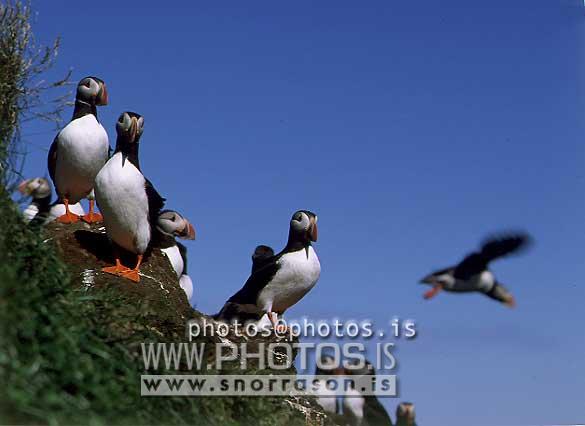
point(80, 150)
point(281, 280)
point(472, 273)
point(170, 225)
point(129, 202)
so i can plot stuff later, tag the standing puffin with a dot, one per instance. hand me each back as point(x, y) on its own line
point(361, 409)
point(170, 225)
point(41, 211)
point(282, 280)
point(80, 150)
point(128, 201)
point(405, 414)
point(472, 273)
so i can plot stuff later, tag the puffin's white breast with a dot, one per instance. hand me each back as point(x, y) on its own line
point(30, 212)
point(121, 196)
point(353, 404)
point(187, 285)
point(174, 255)
point(82, 150)
point(480, 282)
point(326, 397)
point(297, 274)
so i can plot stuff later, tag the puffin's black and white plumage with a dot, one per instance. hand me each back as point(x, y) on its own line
point(128, 201)
point(41, 211)
point(171, 225)
point(360, 409)
point(282, 280)
point(80, 150)
point(472, 273)
point(405, 415)
point(324, 391)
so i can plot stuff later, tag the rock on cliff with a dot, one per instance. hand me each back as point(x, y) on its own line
point(159, 308)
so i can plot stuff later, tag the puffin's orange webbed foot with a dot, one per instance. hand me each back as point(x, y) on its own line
point(132, 275)
point(68, 217)
point(119, 269)
point(92, 217)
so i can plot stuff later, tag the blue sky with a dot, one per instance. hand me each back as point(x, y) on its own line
point(413, 129)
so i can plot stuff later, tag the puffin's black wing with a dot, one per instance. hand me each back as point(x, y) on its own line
point(499, 247)
point(492, 249)
point(155, 201)
point(256, 282)
point(52, 158)
point(261, 257)
point(183, 252)
point(242, 305)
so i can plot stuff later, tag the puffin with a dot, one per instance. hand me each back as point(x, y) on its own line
point(41, 211)
point(80, 150)
point(170, 225)
point(359, 409)
point(128, 201)
point(323, 391)
point(472, 273)
point(281, 280)
point(405, 414)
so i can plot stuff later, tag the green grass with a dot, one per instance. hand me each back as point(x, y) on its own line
point(61, 361)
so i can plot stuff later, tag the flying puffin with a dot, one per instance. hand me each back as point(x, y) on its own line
point(80, 150)
point(361, 409)
point(282, 279)
point(472, 273)
point(170, 225)
point(128, 201)
point(405, 414)
point(326, 395)
point(41, 211)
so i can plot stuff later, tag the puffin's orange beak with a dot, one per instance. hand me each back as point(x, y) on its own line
point(313, 231)
point(188, 232)
point(133, 129)
point(23, 187)
point(511, 302)
point(102, 97)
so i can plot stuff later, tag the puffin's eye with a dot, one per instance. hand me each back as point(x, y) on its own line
point(121, 119)
point(87, 83)
point(174, 218)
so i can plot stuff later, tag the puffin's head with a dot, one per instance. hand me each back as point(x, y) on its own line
point(405, 413)
point(303, 225)
point(262, 252)
point(130, 126)
point(360, 367)
point(328, 366)
point(170, 222)
point(501, 294)
point(36, 188)
point(92, 90)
